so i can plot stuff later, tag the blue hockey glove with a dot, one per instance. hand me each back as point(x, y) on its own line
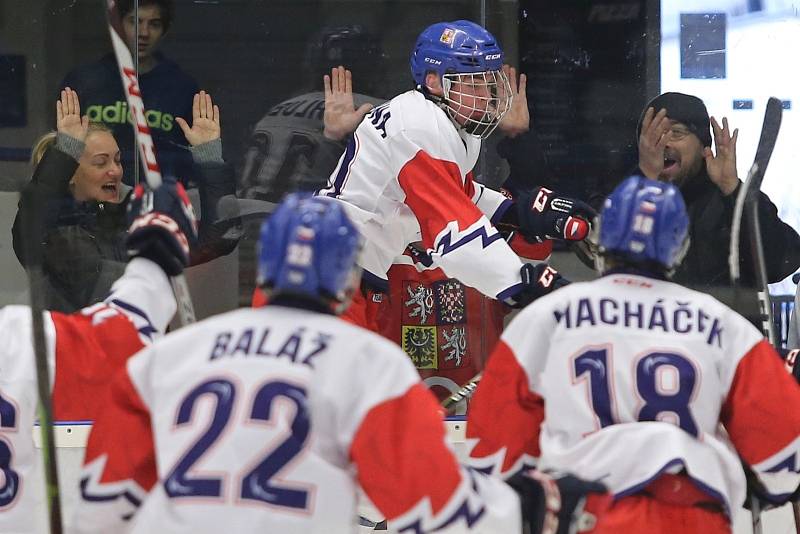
point(544, 215)
point(557, 503)
point(537, 280)
point(162, 226)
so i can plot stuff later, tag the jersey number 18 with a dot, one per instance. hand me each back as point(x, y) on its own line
point(658, 401)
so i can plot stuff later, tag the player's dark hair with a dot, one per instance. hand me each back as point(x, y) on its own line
point(620, 263)
point(167, 8)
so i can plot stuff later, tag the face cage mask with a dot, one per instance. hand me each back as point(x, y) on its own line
point(476, 102)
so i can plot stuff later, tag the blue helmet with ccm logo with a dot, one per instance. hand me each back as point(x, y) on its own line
point(308, 248)
point(645, 221)
point(454, 47)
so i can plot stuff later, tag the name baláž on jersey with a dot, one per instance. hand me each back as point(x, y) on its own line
point(301, 346)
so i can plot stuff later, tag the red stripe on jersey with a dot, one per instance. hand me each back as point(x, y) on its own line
point(87, 355)
point(123, 432)
point(504, 412)
point(437, 196)
point(760, 412)
point(400, 453)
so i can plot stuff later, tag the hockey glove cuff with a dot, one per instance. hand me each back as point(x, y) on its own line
point(537, 280)
point(544, 214)
point(557, 504)
point(162, 226)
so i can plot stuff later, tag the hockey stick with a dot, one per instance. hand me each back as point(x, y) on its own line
point(747, 199)
point(33, 223)
point(464, 392)
point(144, 142)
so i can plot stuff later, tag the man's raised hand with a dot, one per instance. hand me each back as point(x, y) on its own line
point(652, 141)
point(721, 166)
point(341, 117)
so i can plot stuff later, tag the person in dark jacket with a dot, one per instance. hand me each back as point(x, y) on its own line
point(675, 146)
point(167, 90)
point(78, 170)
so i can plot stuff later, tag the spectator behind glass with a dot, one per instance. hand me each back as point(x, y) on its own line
point(675, 146)
point(78, 170)
point(290, 148)
point(167, 91)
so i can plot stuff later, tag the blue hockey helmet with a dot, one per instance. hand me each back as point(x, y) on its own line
point(476, 92)
point(644, 221)
point(308, 248)
point(458, 47)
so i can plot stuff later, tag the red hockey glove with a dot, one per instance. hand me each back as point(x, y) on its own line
point(559, 504)
point(162, 226)
point(537, 280)
point(544, 214)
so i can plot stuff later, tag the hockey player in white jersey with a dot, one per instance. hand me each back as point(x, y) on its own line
point(84, 349)
point(267, 419)
point(626, 379)
point(406, 175)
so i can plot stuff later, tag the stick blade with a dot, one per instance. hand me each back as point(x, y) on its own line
point(766, 143)
point(748, 194)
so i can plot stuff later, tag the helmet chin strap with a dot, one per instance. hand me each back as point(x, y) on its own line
point(440, 102)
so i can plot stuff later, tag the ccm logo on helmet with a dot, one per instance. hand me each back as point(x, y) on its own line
point(433, 61)
point(493, 56)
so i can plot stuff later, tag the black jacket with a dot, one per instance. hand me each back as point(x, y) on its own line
point(710, 220)
point(83, 246)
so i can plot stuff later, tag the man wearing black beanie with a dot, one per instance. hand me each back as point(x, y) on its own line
point(674, 135)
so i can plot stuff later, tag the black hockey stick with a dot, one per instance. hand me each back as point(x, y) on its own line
point(747, 204)
point(33, 225)
point(144, 142)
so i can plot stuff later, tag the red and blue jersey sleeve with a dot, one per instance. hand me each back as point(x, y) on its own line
point(407, 470)
point(93, 344)
point(761, 416)
point(502, 445)
point(90, 348)
point(119, 467)
point(396, 442)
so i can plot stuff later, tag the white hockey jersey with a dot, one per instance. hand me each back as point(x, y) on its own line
point(627, 377)
point(266, 420)
point(84, 350)
point(406, 177)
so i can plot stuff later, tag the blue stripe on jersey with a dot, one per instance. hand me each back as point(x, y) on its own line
point(344, 167)
point(445, 247)
point(148, 330)
point(464, 511)
point(501, 210)
point(513, 290)
point(127, 495)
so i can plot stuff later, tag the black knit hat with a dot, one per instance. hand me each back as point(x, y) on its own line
point(686, 109)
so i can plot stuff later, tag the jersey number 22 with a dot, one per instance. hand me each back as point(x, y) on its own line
point(255, 485)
